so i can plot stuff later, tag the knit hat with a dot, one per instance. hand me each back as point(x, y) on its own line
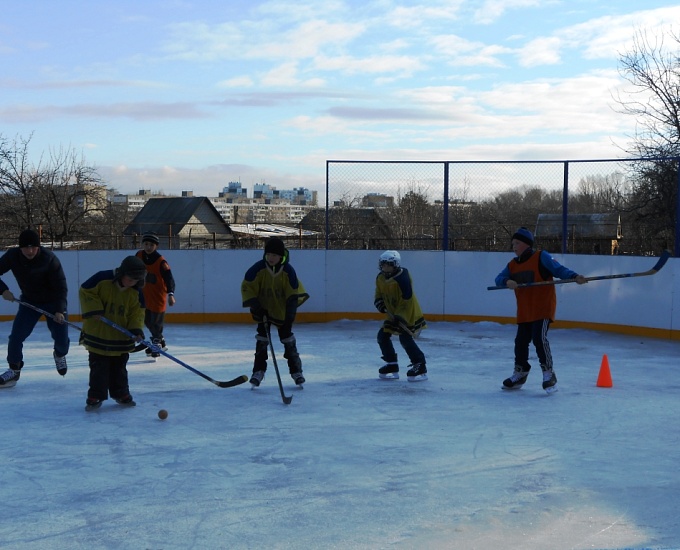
point(133, 267)
point(151, 237)
point(524, 235)
point(274, 245)
point(29, 237)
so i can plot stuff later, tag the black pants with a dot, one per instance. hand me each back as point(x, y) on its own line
point(536, 332)
point(290, 352)
point(108, 376)
point(407, 342)
point(154, 322)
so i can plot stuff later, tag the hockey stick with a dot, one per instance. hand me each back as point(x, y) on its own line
point(403, 326)
point(657, 267)
point(228, 384)
point(47, 314)
point(268, 326)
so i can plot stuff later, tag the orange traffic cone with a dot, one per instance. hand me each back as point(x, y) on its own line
point(604, 380)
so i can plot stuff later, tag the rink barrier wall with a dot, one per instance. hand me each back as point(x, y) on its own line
point(451, 286)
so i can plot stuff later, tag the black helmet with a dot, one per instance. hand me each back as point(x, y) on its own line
point(133, 267)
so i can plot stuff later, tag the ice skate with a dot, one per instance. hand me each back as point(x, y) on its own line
point(518, 378)
point(389, 371)
point(10, 377)
point(549, 381)
point(257, 378)
point(60, 363)
point(417, 372)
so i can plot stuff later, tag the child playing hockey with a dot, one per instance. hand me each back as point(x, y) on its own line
point(159, 290)
point(112, 294)
point(536, 306)
point(273, 292)
point(394, 296)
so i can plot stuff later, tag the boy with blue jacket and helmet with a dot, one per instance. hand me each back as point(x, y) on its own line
point(395, 298)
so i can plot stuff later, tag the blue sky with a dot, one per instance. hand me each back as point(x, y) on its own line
point(184, 95)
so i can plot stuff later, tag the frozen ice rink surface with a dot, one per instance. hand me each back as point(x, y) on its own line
point(353, 462)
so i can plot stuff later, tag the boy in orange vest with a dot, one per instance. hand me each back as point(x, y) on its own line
point(536, 306)
point(159, 290)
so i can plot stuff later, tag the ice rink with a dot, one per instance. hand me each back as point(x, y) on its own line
point(353, 462)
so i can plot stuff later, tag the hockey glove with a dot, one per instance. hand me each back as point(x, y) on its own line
point(258, 313)
point(380, 305)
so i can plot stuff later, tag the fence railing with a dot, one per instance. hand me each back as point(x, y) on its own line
point(487, 200)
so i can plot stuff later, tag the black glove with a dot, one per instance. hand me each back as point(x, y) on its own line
point(380, 305)
point(258, 313)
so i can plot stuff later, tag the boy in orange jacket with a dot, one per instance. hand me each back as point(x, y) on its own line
point(536, 306)
point(159, 290)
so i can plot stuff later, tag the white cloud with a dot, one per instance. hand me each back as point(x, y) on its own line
point(236, 82)
point(492, 10)
point(399, 65)
point(542, 51)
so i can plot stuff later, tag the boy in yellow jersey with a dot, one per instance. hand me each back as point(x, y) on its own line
point(273, 292)
point(113, 294)
point(395, 298)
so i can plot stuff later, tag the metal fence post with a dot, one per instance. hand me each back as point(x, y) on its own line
point(676, 251)
point(565, 207)
point(445, 221)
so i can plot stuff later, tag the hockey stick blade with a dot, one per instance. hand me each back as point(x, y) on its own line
point(228, 384)
point(235, 382)
point(657, 267)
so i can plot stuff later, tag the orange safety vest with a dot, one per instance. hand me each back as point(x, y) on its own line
point(155, 292)
point(533, 303)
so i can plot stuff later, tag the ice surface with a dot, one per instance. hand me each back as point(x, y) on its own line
point(353, 462)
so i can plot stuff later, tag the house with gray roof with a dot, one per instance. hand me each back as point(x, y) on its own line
point(181, 223)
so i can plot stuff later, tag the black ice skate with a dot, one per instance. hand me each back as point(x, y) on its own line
point(92, 404)
point(298, 378)
point(256, 378)
point(10, 377)
point(60, 363)
point(390, 371)
point(549, 381)
point(518, 378)
point(417, 372)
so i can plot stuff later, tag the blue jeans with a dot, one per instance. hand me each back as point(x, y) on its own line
point(23, 325)
point(414, 353)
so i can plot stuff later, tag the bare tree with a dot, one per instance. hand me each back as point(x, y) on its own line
point(61, 196)
point(18, 179)
point(652, 67)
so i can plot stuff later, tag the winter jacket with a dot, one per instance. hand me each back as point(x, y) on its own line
point(277, 290)
point(159, 281)
point(102, 295)
point(397, 294)
point(41, 279)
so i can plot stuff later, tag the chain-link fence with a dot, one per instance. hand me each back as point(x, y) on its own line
point(626, 206)
point(592, 207)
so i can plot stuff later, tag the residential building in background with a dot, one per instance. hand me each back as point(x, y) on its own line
point(268, 204)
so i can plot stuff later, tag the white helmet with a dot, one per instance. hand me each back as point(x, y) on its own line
point(390, 257)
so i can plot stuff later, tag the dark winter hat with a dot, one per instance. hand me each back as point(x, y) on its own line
point(29, 237)
point(524, 235)
point(133, 267)
point(274, 245)
point(151, 237)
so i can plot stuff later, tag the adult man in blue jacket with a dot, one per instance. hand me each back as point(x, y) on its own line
point(40, 277)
